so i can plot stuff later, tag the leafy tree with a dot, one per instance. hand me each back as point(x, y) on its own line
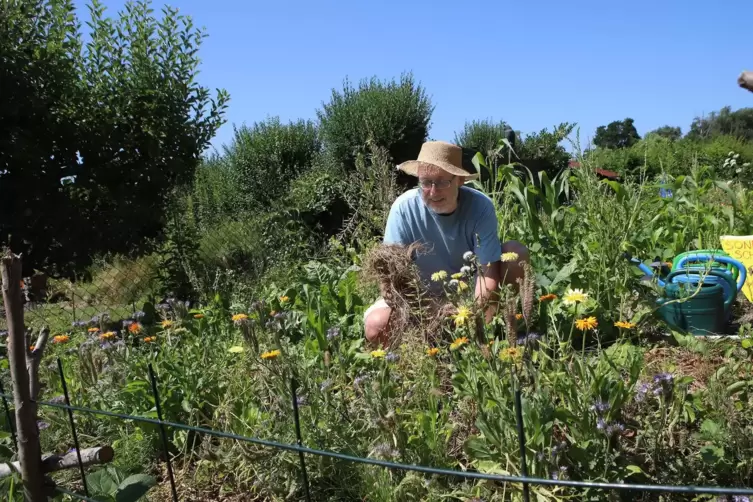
point(543, 150)
point(266, 157)
point(669, 132)
point(95, 137)
point(393, 115)
point(617, 134)
point(484, 136)
point(724, 122)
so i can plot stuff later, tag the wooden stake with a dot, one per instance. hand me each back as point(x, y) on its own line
point(29, 451)
point(745, 80)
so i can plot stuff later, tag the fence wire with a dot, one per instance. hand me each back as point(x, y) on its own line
point(696, 490)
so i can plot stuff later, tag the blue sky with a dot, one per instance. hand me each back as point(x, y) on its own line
point(533, 64)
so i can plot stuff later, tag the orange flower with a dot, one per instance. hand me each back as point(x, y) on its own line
point(432, 352)
point(93, 330)
point(586, 323)
point(107, 336)
point(167, 323)
point(61, 339)
point(134, 328)
point(624, 325)
point(150, 339)
point(33, 348)
point(198, 316)
point(548, 297)
point(518, 316)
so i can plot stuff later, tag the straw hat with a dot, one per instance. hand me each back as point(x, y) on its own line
point(441, 154)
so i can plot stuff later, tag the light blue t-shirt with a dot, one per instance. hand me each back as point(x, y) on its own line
point(471, 227)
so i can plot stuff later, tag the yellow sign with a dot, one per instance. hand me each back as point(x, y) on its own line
point(740, 247)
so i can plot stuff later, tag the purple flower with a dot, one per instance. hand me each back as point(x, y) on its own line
point(601, 424)
point(280, 315)
point(333, 333)
point(392, 357)
point(58, 400)
point(643, 389)
point(139, 315)
point(615, 428)
point(600, 406)
point(664, 378)
point(529, 339)
point(127, 323)
point(79, 324)
point(360, 379)
point(559, 447)
point(42, 425)
point(302, 401)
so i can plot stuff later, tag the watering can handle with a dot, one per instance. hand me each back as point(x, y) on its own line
point(721, 259)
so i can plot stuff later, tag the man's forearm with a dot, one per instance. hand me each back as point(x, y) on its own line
point(487, 294)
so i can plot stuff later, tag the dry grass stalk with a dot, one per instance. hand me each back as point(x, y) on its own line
point(393, 269)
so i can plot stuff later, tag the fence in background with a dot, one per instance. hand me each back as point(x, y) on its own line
point(303, 450)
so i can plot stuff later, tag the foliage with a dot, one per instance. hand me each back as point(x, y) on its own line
point(669, 132)
point(393, 115)
point(95, 135)
point(543, 151)
point(486, 137)
point(738, 123)
point(262, 160)
point(617, 134)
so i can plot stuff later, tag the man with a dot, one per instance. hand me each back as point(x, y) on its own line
point(449, 219)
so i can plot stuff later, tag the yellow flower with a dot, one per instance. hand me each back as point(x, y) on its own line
point(624, 325)
point(284, 299)
point(167, 323)
point(546, 298)
point(459, 342)
point(236, 350)
point(61, 339)
point(507, 257)
point(150, 339)
point(439, 276)
point(198, 316)
point(93, 330)
point(376, 354)
point(432, 352)
point(239, 317)
point(458, 275)
point(134, 328)
point(271, 354)
point(462, 285)
point(518, 316)
point(586, 323)
point(511, 355)
point(573, 296)
point(107, 336)
point(462, 316)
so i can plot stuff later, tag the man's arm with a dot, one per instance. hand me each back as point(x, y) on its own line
point(488, 252)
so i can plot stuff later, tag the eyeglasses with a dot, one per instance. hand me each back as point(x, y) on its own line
point(441, 184)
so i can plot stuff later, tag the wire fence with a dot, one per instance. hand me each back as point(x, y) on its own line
point(303, 450)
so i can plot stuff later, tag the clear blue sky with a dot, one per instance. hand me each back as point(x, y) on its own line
point(533, 64)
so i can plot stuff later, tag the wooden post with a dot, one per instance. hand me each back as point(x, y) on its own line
point(29, 451)
point(745, 80)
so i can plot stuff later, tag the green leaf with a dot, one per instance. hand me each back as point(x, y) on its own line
point(134, 487)
point(747, 343)
point(101, 483)
point(711, 454)
point(737, 387)
point(634, 469)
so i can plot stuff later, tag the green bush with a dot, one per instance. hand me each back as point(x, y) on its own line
point(391, 115)
point(262, 160)
point(319, 196)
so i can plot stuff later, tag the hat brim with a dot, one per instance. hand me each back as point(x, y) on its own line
point(411, 167)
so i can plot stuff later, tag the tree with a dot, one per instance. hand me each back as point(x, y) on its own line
point(390, 115)
point(95, 137)
point(484, 136)
point(724, 122)
point(669, 132)
point(266, 157)
point(617, 134)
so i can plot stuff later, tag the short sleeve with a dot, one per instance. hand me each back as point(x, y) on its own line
point(487, 245)
point(395, 231)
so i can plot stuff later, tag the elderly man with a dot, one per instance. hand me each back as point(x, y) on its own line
point(449, 219)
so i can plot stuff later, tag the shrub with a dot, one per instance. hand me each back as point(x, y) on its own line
point(262, 160)
point(484, 136)
point(391, 115)
point(319, 197)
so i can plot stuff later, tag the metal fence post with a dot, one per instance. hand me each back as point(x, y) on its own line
point(73, 427)
point(296, 418)
point(163, 433)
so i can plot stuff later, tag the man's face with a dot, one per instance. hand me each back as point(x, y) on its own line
point(439, 189)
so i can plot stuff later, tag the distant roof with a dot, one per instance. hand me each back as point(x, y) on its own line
point(606, 173)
